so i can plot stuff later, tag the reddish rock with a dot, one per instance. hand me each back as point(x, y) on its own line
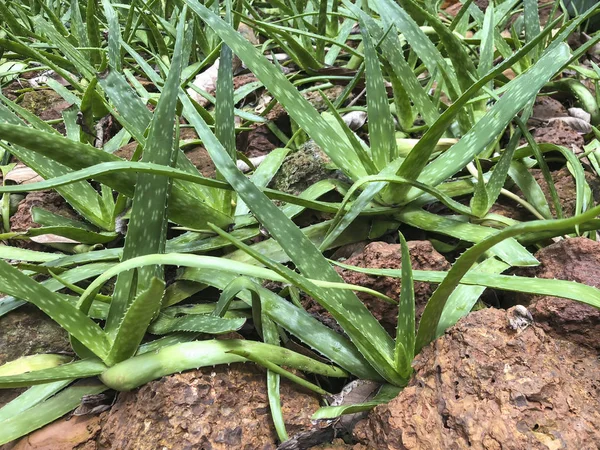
point(381, 255)
point(212, 408)
point(565, 188)
point(51, 201)
point(576, 259)
point(484, 385)
point(558, 133)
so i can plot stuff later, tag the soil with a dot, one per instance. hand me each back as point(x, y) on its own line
point(484, 385)
point(381, 255)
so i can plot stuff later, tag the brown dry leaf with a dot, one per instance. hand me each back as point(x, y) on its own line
point(22, 174)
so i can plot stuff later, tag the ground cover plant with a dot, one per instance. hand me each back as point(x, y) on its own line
point(448, 102)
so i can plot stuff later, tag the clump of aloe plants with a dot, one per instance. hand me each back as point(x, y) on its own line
point(425, 82)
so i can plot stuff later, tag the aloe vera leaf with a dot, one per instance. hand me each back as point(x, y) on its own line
point(30, 398)
point(97, 170)
point(33, 362)
point(299, 109)
point(462, 63)
point(78, 369)
point(435, 306)
point(93, 31)
point(116, 92)
point(10, 303)
point(75, 56)
point(13, 24)
point(537, 286)
point(298, 322)
point(81, 196)
point(183, 208)
point(224, 114)
point(75, 322)
point(405, 330)
point(392, 50)
point(60, 65)
point(486, 52)
point(147, 228)
point(199, 323)
point(462, 300)
point(487, 128)
point(479, 201)
point(510, 251)
point(582, 189)
point(47, 411)
point(141, 369)
point(531, 189)
point(363, 200)
point(77, 26)
point(386, 394)
point(418, 158)
point(130, 331)
point(263, 174)
point(381, 126)
point(321, 296)
point(498, 177)
point(114, 36)
point(378, 345)
point(23, 254)
point(201, 261)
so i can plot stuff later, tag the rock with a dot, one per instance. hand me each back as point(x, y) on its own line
point(28, 331)
point(484, 385)
point(558, 133)
point(304, 168)
point(51, 201)
point(45, 103)
point(225, 407)
point(547, 108)
point(565, 188)
point(381, 255)
point(576, 259)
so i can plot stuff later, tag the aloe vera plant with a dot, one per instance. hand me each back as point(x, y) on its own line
point(440, 93)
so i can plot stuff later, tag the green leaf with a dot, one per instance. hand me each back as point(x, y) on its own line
point(405, 331)
point(78, 369)
point(381, 125)
point(77, 323)
point(47, 411)
point(141, 369)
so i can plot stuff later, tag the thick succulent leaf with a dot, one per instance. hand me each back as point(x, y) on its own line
point(435, 305)
point(47, 411)
point(33, 362)
point(135, 321)
point(79, 369)
point(199, 323)
point(298, 322)
point(405, 331)
point(523, 89)
point(147, 228)
point(364, 330)
point(141, 369)
point(381, 125)
point(30, 398)
point(75, 322)
point(299, 109)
